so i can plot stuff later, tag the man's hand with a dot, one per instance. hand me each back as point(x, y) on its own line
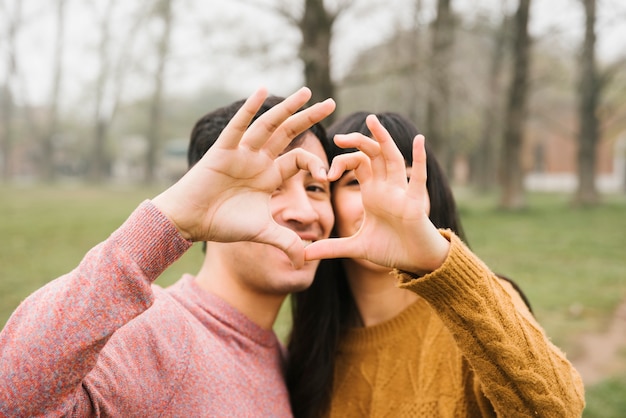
point(225, 196)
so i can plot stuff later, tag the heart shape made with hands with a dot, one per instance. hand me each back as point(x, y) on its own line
point(395, 231)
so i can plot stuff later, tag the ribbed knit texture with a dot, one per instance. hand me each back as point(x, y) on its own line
point(103, 341)
point(468, 347)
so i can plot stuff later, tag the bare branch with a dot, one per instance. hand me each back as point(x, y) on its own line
point(280, 10)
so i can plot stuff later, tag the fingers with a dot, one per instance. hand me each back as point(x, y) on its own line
point(274, 129)
point(298, 159)
point(296, 124)
point(386, 159)
point(417, 184)
point(356, 140)
point(390, 160)
point(258, 133)
point(357, 161)
point(330, 248)
point(237, 126)
point(287, 241)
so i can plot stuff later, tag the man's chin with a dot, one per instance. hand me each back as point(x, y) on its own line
point(296, 281)
point(301, 285)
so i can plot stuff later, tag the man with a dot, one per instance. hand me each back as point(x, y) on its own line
point(102, 340)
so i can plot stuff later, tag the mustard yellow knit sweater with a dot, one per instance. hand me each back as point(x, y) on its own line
point(469, 347)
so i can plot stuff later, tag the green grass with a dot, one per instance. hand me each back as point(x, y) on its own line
point(606, 399)
point(569, 261)
point(46, 232)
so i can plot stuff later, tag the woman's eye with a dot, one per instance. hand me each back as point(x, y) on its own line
point(353, 182)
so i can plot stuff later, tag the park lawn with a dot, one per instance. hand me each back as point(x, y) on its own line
point(606, 399)
point(46, 232)
point(570, 262)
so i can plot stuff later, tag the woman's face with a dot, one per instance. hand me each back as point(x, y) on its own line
point(347, 204)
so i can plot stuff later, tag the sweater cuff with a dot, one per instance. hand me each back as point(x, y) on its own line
point(460, 272)
point(151, 240)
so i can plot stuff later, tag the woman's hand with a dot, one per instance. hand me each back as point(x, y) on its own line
point(396, 231)
point(225, 196)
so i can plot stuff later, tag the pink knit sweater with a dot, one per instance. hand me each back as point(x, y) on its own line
point(103, 341)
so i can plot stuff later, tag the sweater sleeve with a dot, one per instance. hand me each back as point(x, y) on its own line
point(520, 371)
point(52, 340)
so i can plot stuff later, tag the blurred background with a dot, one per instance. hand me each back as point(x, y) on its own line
point(523, 101)
point(514, 94)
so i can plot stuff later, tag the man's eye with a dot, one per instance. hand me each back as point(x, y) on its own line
point(353, 182)
point(316, 188)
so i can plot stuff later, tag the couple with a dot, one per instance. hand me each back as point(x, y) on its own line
point(446, 337)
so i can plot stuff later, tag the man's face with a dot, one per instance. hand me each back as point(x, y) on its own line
point(301, 204)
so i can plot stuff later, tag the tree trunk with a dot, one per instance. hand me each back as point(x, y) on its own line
point(97, 168)
point(589, 89)
point(6, 150)
point(7, 94)
point(415, 63)
point(155, 123)
point(438, 107)
point(511, 173)
point(484, 163)
point(48, 172)
point(316, 28)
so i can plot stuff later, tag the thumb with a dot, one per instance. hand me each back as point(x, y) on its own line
point(288, 241)
point(329, 248)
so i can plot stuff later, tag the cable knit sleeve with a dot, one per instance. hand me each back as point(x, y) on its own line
point(520, 371)
point(52, 340)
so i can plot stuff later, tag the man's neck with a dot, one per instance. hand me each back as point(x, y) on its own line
point(260, 308)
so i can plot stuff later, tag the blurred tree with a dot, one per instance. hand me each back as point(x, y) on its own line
point(103, 106)
point(48, 172)
point(115, 62)
point(314, 20)
point(484, 167)
point(7, 94)
point(391, 76)
point(438, 107)
point(589, 91)
point(316, 28)
point(612, 81)
point(163, 12)
point(315, 23)
point(511, 172)
point(394, 76)
point(415, 62)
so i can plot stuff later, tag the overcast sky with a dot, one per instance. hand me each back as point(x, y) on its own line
point(203, 39)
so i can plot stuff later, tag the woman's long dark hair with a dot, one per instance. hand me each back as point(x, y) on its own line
point(323, 312)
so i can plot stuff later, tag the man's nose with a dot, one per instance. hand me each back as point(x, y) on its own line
point(299, 209)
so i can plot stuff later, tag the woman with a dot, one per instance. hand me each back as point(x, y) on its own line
point(446, 338)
